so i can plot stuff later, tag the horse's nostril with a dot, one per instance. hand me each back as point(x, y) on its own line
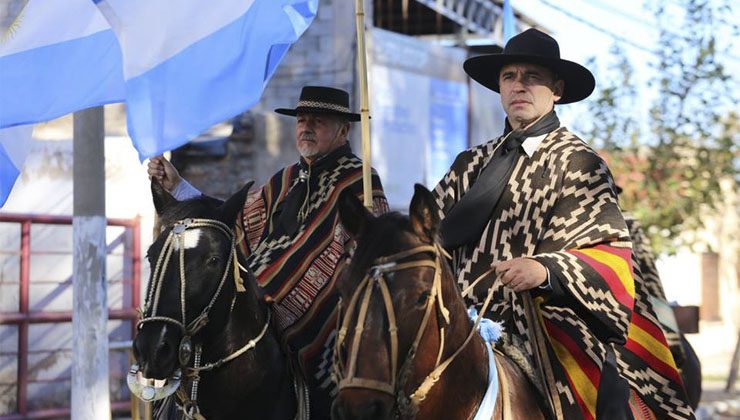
point(375, 410)
point(164, 351)
point(337, 413)
point(137, 351)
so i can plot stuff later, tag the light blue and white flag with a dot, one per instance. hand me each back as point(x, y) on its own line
point(57, 57)
point(509, 21)
point(193, 64)
point(15, 143)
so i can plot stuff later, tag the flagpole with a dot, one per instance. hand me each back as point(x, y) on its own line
point(364, 107)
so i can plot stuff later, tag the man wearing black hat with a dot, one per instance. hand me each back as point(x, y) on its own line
point(538, 206)
point(294, 241)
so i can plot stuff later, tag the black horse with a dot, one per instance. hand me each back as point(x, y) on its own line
point(206, 333)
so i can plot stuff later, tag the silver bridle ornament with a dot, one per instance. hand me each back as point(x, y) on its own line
point(149, 391)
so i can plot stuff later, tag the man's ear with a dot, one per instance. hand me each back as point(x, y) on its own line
point(423, 214)
point(558, 90)
point(352, 214)
point(234, 204)
point(162, 199)
point(344, 127)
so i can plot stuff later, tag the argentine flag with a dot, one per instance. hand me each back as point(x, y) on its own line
point(56, 57)
point(15, 143)
point(190, 64)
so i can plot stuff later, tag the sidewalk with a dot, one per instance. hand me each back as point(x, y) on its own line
point(716, 404)
point(715, 353)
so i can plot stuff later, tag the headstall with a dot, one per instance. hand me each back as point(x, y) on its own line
point(406, 406)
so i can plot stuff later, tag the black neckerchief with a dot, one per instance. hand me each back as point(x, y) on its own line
point(292, 211)
point(544, 125)
point(464, 223)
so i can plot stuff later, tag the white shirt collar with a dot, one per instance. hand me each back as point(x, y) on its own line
point(532, 143)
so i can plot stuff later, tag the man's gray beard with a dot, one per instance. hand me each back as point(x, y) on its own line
point(308, 154)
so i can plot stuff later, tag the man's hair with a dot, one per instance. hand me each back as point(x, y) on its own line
point(341, 119)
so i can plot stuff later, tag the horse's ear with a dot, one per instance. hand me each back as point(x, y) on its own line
point(423, 214)
point(353, 215)
point(234, 204)
point(162, 199)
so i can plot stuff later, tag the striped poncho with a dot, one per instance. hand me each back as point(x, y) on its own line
point(298, 272)
point(649, 358)
point(559, 208)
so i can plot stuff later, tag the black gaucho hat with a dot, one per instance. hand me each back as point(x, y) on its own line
point(535, 47)
point(322, 100)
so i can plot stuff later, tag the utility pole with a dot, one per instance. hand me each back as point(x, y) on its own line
point(90, 389)
point(732, 377)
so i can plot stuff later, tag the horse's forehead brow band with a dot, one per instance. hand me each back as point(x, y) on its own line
point(382, 268)
point(190, 237)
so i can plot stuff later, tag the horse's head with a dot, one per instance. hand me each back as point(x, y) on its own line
point(391, 307)
point(194, 276)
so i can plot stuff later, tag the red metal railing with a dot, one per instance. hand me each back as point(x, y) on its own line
point(25, 317)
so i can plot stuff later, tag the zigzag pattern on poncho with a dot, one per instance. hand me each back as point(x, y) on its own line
point(559, 208)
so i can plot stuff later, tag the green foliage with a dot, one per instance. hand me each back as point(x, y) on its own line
point(614, 122)
point(671, 171)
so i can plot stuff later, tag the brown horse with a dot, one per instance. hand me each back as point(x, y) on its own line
point(205, 334)
point(406, 346)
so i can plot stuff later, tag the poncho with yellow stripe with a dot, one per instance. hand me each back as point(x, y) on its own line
point(559, 208)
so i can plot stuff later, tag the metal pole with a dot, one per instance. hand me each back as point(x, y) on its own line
point(24, 309)
point(367, 186)
point(90, 394)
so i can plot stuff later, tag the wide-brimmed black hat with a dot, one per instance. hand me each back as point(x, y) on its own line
point(536, 47)
point(322, 100)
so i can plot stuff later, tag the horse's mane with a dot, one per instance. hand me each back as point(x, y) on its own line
point(202, 206)
point(374, 242)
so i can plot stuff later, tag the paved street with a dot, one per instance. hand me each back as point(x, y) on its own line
point(717, 404)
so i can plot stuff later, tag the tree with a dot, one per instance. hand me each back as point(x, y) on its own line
point(671, 173)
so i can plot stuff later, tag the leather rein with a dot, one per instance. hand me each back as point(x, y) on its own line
point(406, 406)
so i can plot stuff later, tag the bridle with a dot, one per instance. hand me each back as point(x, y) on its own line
point(176, 240)
point(406, 406)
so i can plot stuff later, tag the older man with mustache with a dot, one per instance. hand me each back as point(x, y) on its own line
point(294, 241)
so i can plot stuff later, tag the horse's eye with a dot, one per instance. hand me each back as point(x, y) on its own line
point(213, 261)
point(423, 298)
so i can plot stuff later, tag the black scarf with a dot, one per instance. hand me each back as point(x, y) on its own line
point(464, 223)
point(292, 211)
